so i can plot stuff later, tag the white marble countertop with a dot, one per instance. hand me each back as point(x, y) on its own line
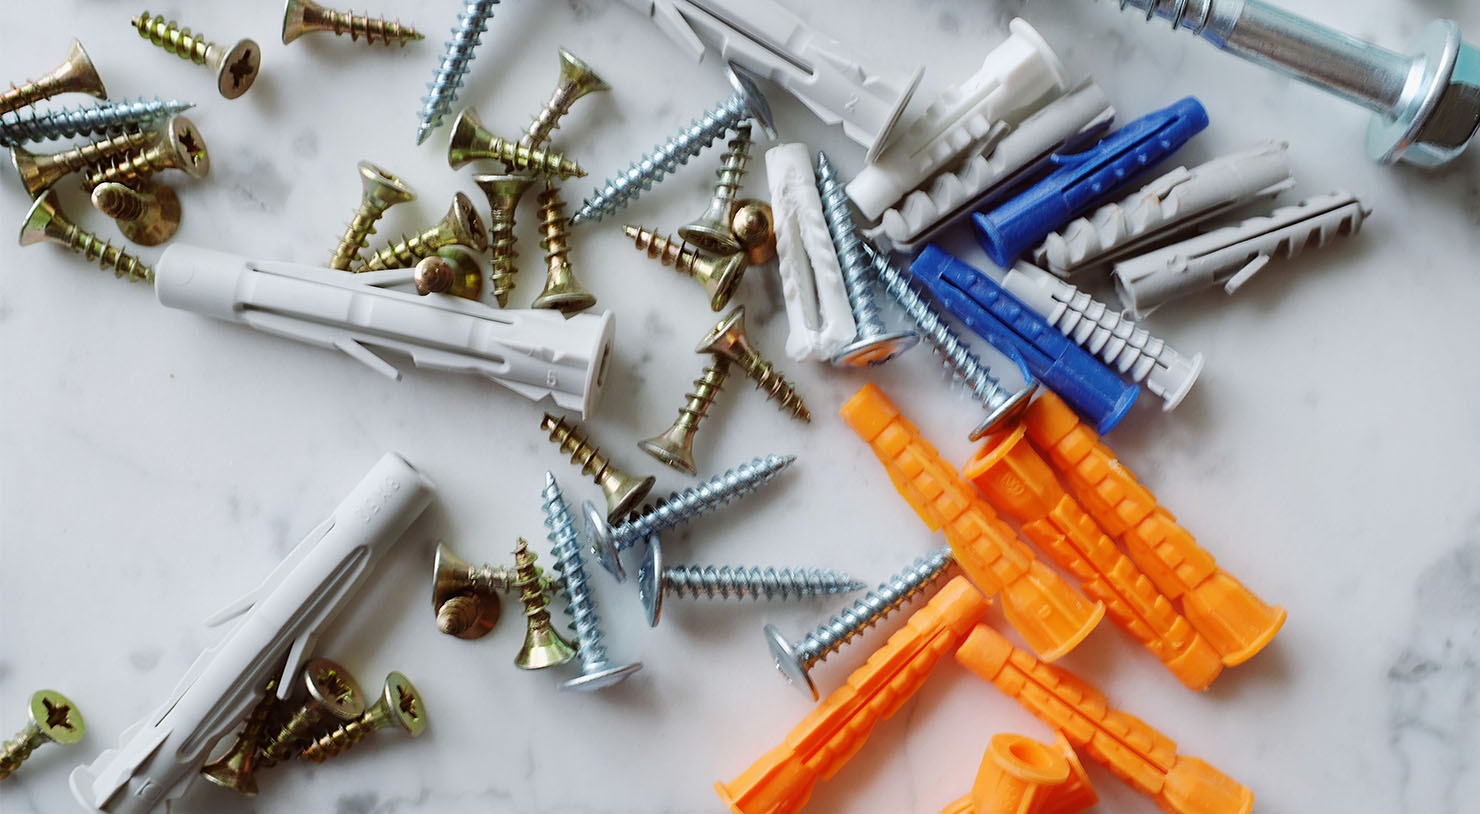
point(154, 465)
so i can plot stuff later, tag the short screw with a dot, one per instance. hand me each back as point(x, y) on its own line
point(76, 74)
point(675, 446)
point(1002, 406)
point(607, 541)
point(746, 102)
point(237, 769)
point(399, 706)
point(452, 270)
point(40, 172)
point(46, 221)
point(456, 58)
point(236, 69)
point(53, 719)
point(333, 695)
point(754, 226)
point(465, 597)
point(720, 276)
point(180, 148)
point(379, 191)
point(471, 141)
point(623, 491)
point(305, 16)
point(148, 215)
point(874, 344)
point(469, 616)
point(711, 231)
point(562, 292)
point(597, 670)
point(728, 340)
point(504, 192)
point(576, 80)
point(103, 119)
point(795, 660)
point(461, 226)
point(654, 580)
point(543, 644)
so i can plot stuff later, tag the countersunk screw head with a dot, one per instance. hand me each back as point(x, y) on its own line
point(238, 69)
point(468, 229)
point(401, 704)
point(333, 689)
point(44, 221)
point(57, 717)
point(188, 147)
point(382, 187)
point(728, 337)
point(755, 101)
point(788, 660)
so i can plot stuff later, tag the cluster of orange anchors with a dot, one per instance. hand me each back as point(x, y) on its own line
point(1092, 519)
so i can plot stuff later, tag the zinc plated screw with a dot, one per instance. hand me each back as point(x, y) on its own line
point(1002, 407)
point(103, 119)
point(180, 148)
point(148, 216)
point(452, 270)
point(305, 16)
point(399, 706)
point(471, 141)
point(40, 172)
point(543, 644)
point(333, 695)
point(623, 491)
point(654, 580)
point(456, 58)
point(746, 102)
point(1427, 105)
point(236, 69)
point(795, 660)
point(562, 292)
point(675, 446)
point(711, 231)
point(380, 191)
point(597, 670)
point(720, 275)
point(503, 192)
point(53, 719)
point(576, 80)
point(874, 344)
point(728, 340)
point(46, 221)
point(76, 74)
point(607, 541)
point(461, 226)
point(754, 226)
point(237, 769)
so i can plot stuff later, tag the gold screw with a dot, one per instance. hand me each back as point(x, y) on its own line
point(754, 225)
point(181, 148)
point(235, 69)
point(76, 74)
point(543, 645)
point(53, 719)
point(464, 597)
point(675, 446)
point(562, 292)
point(461, 226)
point(711, 232)
point(305, 16)
point(720, 276)
point(379, 191)
point(452, 270)
point(236, 770)
point(148, 216)
point(46, 221)
point(472, 141)
point(333, 695)
point(469, 616)
point(623, 491)
point(728, 340)
point(399, 705)
point(504, 192)
point(39, 172)
point(576, 80)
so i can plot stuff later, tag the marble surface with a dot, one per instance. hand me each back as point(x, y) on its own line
point(154, 464)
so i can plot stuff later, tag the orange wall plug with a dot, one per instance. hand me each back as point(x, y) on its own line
point(1019, 775)
point(1123, 743)
point(782, 780)
point(1022, 486)
point(1045, 609)
point(1238, 623)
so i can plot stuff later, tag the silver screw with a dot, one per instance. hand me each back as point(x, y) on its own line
point(654, 579)
point(597, 671)
point(607, 542)
point(1427, 105)
point(746, 102)
point(456, 57)
point(795, 660)
point(105, 119)
point(874, 344)
point(1002, 406)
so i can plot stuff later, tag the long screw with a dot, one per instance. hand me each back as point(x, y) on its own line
point(236, 69)
point(40, 172)
point(457, 57)
point(148, 216)
point(711, 231)
point(305, 16)
point(675, 446)
point(655, 580)
point(461, 226)
point(46, 221)
point(503, 192)
point(607, 541)
point(1427, 105)
point(543, 645)
point(53, 719)
point(720, 275)
point(728, 340)
point(379, 191)
point(576, 80)
point(874, 344)
point(746, 102)
point(597, 670)
point(1002, 406)
point(399, 706)
point(623, 491)
point(103, 119)
point(181, 148)
point(75, 75)
point(562, 291)
point(237, 769)
point(471, 141)
point(795, 660)
point(333, 695)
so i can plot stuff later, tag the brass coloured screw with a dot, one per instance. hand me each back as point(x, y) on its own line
point(39, 172)
point(236, 770)
point(729, 341)
point(460, 226)
point(754, 225)
point(543, 645)
point(399, 706)
point(720, 275)
point(576, 80)
point(333, 695)
point(504, 192)
point(675, 446)
point(305, 16)
point(562, 292)
point(379, 191)
point(464, 597)
point(46, 221)
point(53, 719)
point(148, 215)
point(181, 148)
point(472, 141)
point(468, 616)
point(711, 232)
point(452, 270)
point(623, 491)
point(76, 74)
point(235, 69)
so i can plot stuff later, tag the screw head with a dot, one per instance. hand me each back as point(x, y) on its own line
point(43, 221)
point(1437, 120)
point(81, 76)
point(467, 131)
point(57, 716)
point(721, 276)
point(399, 695)
point(624, 492)
point(503, 191)
point(379, 185)
point(727, 337)
point(673, 447)
point(579, 77)
point(293, 23)
point(238, 69)
point(711, 230)
point(601, 544)
point(467, 227)
point(788, 661)
point(601, 679)
point(875, 350)
point(333, 688)
point(189, 147)
point(755, 101)
point(1007, 414)
point(650, 580)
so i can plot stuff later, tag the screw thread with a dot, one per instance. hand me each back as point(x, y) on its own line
point(98, 153)
point(725, 581)
point(873, 608)
point(457, 614)
point(357, 233)
point(687, 504)
point(282, 744)
point(501, 241)
point(701, 397)
point(27, 93)
point(677, 254)
point(133, 165)
point(362, 25)
point(1193, 15)
point(580, 603)
point(665, 158)
point(547, 119)
point(732, 167)
point(339, 739)
point(106, 254)
point(457, 56)
point(532, 586)
point(522, 158)
point(119, 202)
point(554, 229)
point(168, 34)
point(856, 277)
point(107, 119)
point(574, 443)
point(773, 384)
point(405, 252)
point(15, 751)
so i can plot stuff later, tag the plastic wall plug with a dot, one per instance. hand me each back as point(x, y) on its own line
point(817, 306)
point(1019, 775)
